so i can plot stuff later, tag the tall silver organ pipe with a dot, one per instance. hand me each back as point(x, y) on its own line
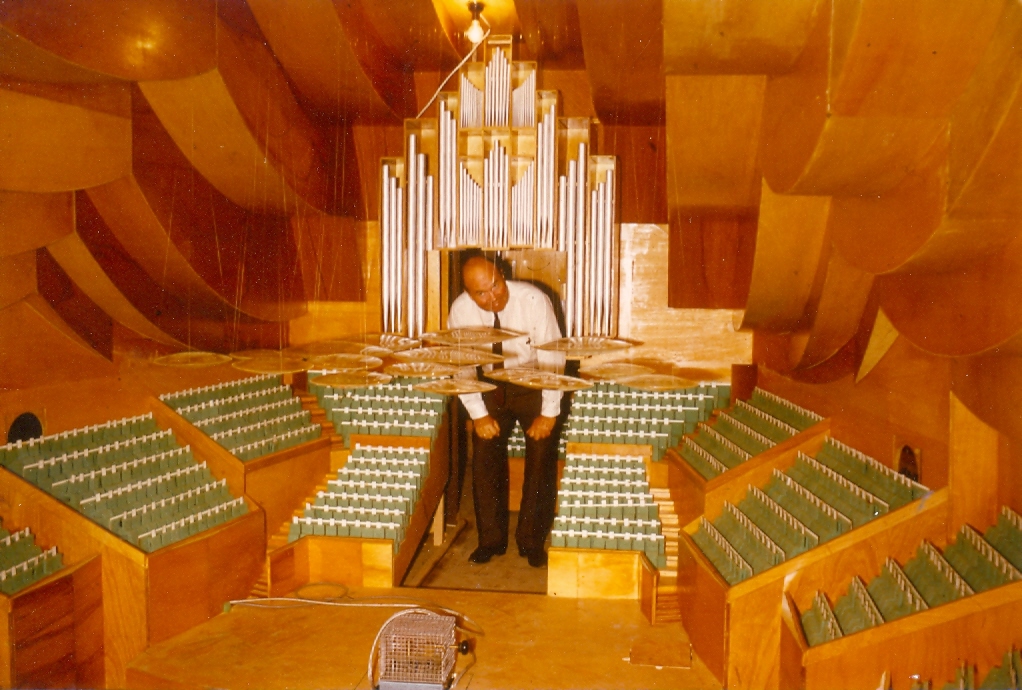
point(510, 174)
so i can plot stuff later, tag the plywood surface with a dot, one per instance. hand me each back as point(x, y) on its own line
point(531, 641)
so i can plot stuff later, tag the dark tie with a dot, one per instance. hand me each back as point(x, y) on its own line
point(498, 347)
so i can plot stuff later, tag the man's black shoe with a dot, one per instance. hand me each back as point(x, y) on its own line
point(522, 551)
point(537, 558)
point(484, 553)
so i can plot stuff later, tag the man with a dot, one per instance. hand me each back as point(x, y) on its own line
point(490, 300)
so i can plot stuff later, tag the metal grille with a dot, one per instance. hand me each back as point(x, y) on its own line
point(418, 647)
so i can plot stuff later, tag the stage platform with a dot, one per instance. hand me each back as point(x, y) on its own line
point(530, 641)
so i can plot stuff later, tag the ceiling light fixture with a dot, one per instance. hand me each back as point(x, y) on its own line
point(475, 32)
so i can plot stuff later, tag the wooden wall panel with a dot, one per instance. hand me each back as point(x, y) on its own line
point(39, 348)
point(711, 258)
point(713, 131)
point(641, 159)
point(679, 337)
point(974, 477)
point(623, 46)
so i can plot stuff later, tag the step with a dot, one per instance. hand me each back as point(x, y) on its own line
point(859, 505)
point(856, 610)
point(893, 593)
point(782, 527)
point(934, 578)
point(1006, 536)
point(979, 563)
point(821, 518)
point(758, 550)
point(784, 410)
point(720, 447)
point(819, 623)
point(765, 424)
point(746, 438)
point(882, 481)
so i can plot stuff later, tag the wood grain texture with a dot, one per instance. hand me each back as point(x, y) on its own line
point(702, 593)
point(681, 337)
point(929, 644)
point(353, 76)
point(30, 221)
point(723, 113)
point(142, 40)
point(735, 36)
point(790, 246)
point(50, 146)
point(599, 574)
point(188, 582)
point(974, 470)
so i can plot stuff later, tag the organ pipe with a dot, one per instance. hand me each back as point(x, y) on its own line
point(499, 168)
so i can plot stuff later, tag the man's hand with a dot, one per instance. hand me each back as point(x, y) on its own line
point(541, 427)
point(486, 427)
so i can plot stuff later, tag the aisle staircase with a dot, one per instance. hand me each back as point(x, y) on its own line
point(668, 606)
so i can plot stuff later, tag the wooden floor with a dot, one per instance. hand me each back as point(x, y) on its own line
point(530, 641)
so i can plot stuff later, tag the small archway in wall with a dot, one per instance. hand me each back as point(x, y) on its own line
point(24, 427)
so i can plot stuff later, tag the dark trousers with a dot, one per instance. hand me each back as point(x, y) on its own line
point(507, 404)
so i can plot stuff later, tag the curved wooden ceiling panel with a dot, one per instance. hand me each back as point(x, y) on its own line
point(23, 60)
point(723, 114)
point(837, 313)
point(878, 233)
point(48, 145)
point(417, 33)
point(909, 59)
point(735, 36)
point(45, 350)
point(965, 312)
point(31, 221)
point(624, 55)
point(74, 257)
point(351, 78)
point(550, 29)
point(789, 247)
point(870, 95)
point(164, 310)
point(242, 128)
point(210, 231)
point(128, 39)
point(125, 210)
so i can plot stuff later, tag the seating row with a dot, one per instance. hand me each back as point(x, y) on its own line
point(971, 564)
point(16, 455)
point(217, 391)
point(65, 465)
point(743, 431)
point(22, 562)
point(134, 485)
point(614, 414)
point(373, 496)
point(251, 418)
point(604, 502)
point(393, 409)
point(795, 511)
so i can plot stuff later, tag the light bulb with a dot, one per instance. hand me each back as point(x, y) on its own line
point(475, 32)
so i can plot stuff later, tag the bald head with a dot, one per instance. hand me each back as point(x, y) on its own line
point(484, 284)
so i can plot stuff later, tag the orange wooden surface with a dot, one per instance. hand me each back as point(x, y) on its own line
point(56, 630)
point(930, 645)
point(703, 595)
point(601, 574)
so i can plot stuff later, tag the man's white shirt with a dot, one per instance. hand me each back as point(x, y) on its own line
point(528, 310)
